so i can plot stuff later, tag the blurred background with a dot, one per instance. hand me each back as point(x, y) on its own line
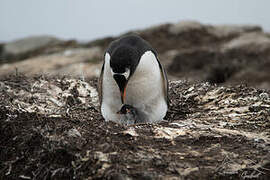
point(223, 42)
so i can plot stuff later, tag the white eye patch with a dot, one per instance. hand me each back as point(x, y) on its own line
point(126, 74)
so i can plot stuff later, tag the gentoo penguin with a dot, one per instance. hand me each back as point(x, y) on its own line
point(132, 74)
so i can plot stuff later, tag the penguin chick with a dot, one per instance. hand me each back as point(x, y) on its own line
point(129, 114)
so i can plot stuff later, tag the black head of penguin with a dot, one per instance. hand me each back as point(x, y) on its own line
point(124, 61)
point(124, 58)
point(125, 109)
point(126, 53)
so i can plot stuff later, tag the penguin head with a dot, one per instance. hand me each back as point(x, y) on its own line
point(123, 63)
point(127, 109)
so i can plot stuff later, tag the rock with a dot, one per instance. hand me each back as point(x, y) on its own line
point(74, 133)
point(168, 133)
point(1, 51)
point(204, 64)
point(220, 31)
point(34, 46)
point(49, 97)
point(242, 60)
point(225, 31)
point(185, 26)
point(192, 59)
point(252, 76)
point(250, 42)
point(26, 45)
point(76, 62)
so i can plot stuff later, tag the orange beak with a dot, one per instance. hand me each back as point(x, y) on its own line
point(122, 84)
point(123, 94)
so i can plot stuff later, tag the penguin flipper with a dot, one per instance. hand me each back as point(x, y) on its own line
point(165, 82)
point(100, 84)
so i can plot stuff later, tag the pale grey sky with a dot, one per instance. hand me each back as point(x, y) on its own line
point(89, 19)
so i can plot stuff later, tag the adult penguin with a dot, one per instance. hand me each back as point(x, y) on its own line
point(132, 74)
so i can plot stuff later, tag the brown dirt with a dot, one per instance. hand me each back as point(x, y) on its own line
point(198, 140)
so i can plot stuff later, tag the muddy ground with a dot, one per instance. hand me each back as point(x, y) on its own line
point(51, 128)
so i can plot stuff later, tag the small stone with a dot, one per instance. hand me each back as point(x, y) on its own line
point(74, 133)
point(264, 95)
point(131, 132)
point(190, 89)
point(2, 86)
